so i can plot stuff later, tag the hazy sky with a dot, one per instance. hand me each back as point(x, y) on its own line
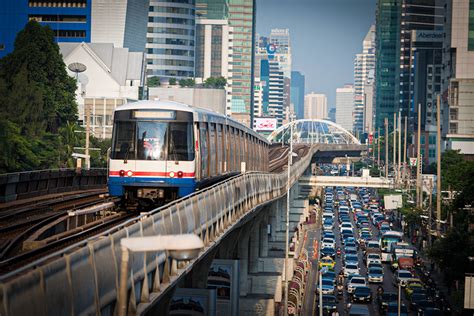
point(325, 36)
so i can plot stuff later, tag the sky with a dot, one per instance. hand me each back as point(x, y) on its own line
point(325, 37)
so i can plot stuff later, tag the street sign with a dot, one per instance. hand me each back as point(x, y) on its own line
point(413, 162)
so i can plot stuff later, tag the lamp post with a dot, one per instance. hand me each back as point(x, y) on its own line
point(287, 235)
point(179, 247)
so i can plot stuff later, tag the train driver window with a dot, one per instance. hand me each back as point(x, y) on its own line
point(152, 140)
point(124, 140)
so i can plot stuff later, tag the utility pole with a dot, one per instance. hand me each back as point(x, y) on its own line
point(287, 241)
point(395, 145)
point(88, 131)
point(430, 211)
point(405, 151)
point(399, 175)
point(438, 177)
point(419, 192)
point(378, 147)
point(386, 147)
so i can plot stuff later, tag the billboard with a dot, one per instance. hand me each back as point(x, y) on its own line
point(265, 124)
point(223, 277)
point(426, 36)
point(393, 202)
point(193, 302)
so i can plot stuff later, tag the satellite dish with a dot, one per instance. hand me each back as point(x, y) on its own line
point(77, 67)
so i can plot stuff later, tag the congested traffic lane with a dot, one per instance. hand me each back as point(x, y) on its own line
point(387, 284)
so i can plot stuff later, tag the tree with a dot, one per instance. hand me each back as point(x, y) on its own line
point(216, 83)
point(172, 81)
point(154, 82)
point(37, 99)
point(187, 83)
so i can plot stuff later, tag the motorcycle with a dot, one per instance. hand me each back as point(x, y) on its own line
point(340, 289)
point(338, 252)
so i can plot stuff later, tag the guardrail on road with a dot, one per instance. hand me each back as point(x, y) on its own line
point(22, 185)
point(86, 277)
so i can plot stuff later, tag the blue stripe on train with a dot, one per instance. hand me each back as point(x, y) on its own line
point(185, 185)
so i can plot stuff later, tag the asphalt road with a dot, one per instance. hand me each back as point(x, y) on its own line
point(342, 305)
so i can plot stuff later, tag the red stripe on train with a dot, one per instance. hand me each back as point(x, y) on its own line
point(152, 174)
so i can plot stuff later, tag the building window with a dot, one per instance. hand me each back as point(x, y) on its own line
point(422, 139)
point(470, 39)
point(58, 3)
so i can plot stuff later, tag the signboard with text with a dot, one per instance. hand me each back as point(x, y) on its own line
point(265, 124)
point(426, 36)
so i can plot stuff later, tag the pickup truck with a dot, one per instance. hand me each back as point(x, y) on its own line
point(403, 263)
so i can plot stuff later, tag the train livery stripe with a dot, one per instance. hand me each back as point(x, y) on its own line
point(152, 174)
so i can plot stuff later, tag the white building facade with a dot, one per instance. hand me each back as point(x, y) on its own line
point(364, 64)
point(120, 22)
point(345, 107)
point(113, 77)
point(315, 106)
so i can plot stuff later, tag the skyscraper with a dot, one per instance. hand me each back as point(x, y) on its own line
point(120, 22)
point(387, 56)
point(458, 76)
point(170, 39)
point(69, 19)
point(345, 106)
point(315, 106)
point(363, 65)
point(297, 93)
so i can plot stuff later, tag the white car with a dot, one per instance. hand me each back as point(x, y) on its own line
point(343, 208)
point(346, 225)
point(351, 268)
point(328, 243)
point(328, 215)
point(355, 282)
point(327, 226)
point(402, 277)
point(373, 258)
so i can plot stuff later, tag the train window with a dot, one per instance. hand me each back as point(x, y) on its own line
point(123, 146)
point(219, 147)
point(181, 144)
point(151, 140)
point(212, 149)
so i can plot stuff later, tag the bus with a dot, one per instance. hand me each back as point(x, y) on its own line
point(388, 238)
point(405, 251)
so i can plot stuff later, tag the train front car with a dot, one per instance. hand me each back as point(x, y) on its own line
point(153, 155)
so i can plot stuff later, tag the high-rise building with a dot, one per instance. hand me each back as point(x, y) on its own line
point(297, 93)
point(276, 91)
point(345, 106)
point(458, 76)
point(387, 57)
point(332, 115)
point(369, 103)
point(421, 25)
point(315, 106)
point(170, 44)
point(212, 9)
point(214, 41)
point(363, 65)
point(69, 19)
point(120, 22)
point(242, 19)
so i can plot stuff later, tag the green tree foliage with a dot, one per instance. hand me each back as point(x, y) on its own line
point(37, 100)
point(216, 83)
point(154, 82)
point(172, 82)
point(187, 83)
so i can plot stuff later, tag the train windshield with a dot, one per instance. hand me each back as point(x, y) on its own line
point(153, 140)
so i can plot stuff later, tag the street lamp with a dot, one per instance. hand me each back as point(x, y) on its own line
point(178, 247)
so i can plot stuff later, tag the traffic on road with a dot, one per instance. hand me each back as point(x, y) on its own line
point(365, 265)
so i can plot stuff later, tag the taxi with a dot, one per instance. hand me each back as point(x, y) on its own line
point(327, 262)
point(413, 286)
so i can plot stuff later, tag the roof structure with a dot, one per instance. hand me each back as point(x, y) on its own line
point(313, 131)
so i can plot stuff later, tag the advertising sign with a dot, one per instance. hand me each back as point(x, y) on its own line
point(193, 302)
point(392, 202)
point(265, 124)
point(426, 36)
point(413, 162)
point(371, 138)
point(223, 277)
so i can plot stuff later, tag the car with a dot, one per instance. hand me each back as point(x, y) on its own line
point(346, 225)
point(350, 250)
point(373, 258)
point(402, 277)
point(328, 252)
point(375, 275)
point(328, 225)
point(350, 258)
point(327, 286)
point(329, 275)
point(329, 303)
point(358, 310)
point(329, 234)
point(416, 299)
point(351, 268)
point(355, 282)
point(328, 242)
point(431, 311)
point(327, 262)
point(392, 309)
point(414, 286)
point(385, 299)
point(362, 294)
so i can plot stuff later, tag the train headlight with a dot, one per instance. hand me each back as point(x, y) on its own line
point(129, 173)
point(180, 174)
point(122, 173)
point(172, 174)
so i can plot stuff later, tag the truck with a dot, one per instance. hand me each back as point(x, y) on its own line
point(403, 256)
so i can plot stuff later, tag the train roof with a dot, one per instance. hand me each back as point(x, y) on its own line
point(200, 114)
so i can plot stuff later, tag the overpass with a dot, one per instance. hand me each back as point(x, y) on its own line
point(241, 220)
point(368, 182)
